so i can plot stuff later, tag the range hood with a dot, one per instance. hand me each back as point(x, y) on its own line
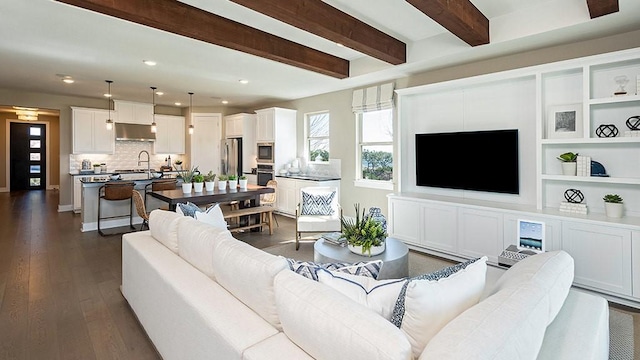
point(136, 132)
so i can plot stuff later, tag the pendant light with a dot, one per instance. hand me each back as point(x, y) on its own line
point(154, 127)
point(109, 122)
point(191, 113)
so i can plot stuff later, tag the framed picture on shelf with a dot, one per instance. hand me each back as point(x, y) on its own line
point(564, 121)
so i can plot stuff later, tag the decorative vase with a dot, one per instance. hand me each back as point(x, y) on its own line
point(178, 167)
point(569, 168)
point(209, 185)
point(197, 187)
point(233, 184)
point(613, 210)
point(243, 183)
point(222, 185)
point(376, 214)
point(375, 250)
point(186, 188)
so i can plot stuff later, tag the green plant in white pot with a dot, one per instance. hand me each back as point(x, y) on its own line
point(613, 205)
point(242, 181)
point(364, 235)
point(233, 181)
point(569, 164)
point(209, 181)
point(222, 182)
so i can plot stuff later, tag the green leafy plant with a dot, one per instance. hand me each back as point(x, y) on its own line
point(222, 178)
point(568, 157)
point(210, 176)
point(363, 231)
point(177, 162)
point(612, 198)
point(232, 177)
point(242, 177)
point(187, 175)
point(198, 178)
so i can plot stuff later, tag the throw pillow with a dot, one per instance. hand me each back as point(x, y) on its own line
point(428, 302)
point(317, 204)
point(212, 216)
point(187, 209)
point(377, 295)
point(308, 269)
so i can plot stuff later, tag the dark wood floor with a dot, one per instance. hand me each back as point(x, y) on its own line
point(59, 287)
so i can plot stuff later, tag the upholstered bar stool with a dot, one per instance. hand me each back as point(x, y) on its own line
point(159, 185)
point(115, 191)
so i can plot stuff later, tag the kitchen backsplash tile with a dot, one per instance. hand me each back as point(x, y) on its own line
point(329, 168)
point(125, 157)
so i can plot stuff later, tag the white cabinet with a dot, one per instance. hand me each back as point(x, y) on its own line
point(265, 125)
point(602, 256)
point(480, 233)
point(439, 226)
point(133, 112)
point(90, 134)
point(406, 220)
point(243, 125)
point(205, 142)
point(77, 194)
point(288, 192)
point(170, 135)
point(278, 125)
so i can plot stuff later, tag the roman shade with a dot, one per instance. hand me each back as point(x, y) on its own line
point(378, 97)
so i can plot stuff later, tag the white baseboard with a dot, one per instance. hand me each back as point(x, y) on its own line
point(65, 208)
point(107, 224)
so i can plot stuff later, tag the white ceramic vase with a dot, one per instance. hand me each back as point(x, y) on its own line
point(222, 185)
point(375, 250)
point(233, 184)
point(613, 210)
point(197, 187)
point(186, 188)
point(209, 185)
point(569, 168)
point(96, 169)
point(243, 183)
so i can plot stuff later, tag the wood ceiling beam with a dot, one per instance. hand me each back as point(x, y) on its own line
point(182, 19)
point(602, 7)
point(321, 19)
point(460, 17)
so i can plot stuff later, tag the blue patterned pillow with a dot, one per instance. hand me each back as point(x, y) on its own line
point(317, 204)
point(188, 209)
point(308, 269)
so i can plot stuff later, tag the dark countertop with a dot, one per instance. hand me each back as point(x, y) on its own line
point(103, 178)
point(106, 174)
point(309, 177)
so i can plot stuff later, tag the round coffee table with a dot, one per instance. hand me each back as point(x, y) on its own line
point(395, 258)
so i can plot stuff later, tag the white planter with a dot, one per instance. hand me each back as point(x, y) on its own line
point(197, 187)
point(222, 185)
point(375, 250)
point(613, 210)
point(209, 185)
point(569, 168)
point(186, 188)
point(97, 169)
point(178, 167)
point(233, 184)
point(243, 183)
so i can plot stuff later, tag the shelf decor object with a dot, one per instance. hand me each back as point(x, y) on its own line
point(607, 131)
point(365, 235)
point(633, 123)
point(564, 121)
point(574, 203)
point(569, 163)
point(622, 81)
point(574, 196)
point(613, 205)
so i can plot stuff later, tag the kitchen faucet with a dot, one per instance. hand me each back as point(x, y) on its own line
point(148, 161)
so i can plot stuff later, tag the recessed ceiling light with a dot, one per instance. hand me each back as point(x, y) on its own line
point(178, 103)
point(225, 101)
point(159, 93)
point(108, 95)
point(68, 80)
point(149, 62)
point(243, 81)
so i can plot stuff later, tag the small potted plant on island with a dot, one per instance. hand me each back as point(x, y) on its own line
point(364, 234)
point(198, 182)
point(613, 205)
point(97, 168)
point(569, 165)
point(222, 182)
point(178, 165)
point(242, 181)
point(233, 181)
point(209, 181)
point(187, 179)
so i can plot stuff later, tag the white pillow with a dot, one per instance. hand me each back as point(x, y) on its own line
point(425, 306)
point(378, 295)
point(212, 216)
point(164, 228)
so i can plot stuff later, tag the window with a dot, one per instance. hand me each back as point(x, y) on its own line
point(375, 149)
point(317, 133)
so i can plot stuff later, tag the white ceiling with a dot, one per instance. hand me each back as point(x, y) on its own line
point(42, 40)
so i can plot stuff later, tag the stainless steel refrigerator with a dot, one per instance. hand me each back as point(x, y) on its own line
point(231, 157)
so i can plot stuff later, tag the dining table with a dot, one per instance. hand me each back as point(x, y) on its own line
point(176, 196)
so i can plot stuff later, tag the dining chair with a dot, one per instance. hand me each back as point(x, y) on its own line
point(269, 199)
point(141, 209)
point(318, 211)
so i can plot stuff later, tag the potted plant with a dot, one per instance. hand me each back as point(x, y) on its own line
point(222, 182)
point(613, 205)
point(178, 165)
point(96, 168)
point(569, 165)
point(209, 181)
point(187, 178)
point(364, 234)
point(198, 182)
point(242, 181)
point(233, 181)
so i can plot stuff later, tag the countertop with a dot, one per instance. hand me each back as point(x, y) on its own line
point(101, 179)
point(136, 171)
point(308, 177)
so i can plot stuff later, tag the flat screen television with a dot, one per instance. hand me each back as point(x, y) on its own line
point(469, 160)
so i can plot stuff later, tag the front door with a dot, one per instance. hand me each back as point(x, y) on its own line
point(27, 156)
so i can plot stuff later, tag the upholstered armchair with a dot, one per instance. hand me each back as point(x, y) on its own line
point(318, 211)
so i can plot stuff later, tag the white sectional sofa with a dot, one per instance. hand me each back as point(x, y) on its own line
point(201, 294)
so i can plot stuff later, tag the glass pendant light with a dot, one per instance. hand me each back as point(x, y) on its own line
point(109, 122)
point(154, 127)
point(191, 113)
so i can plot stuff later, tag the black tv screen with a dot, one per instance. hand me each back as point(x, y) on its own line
point(469, 160)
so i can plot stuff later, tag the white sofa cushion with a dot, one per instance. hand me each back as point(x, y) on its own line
point(428, 302)
point(248, 274)
point(277, 347)
point(164, 228)
point(197, 242)
point(328, 325)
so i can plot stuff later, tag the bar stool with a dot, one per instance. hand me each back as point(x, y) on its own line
point(159, 185)
point(116, 191)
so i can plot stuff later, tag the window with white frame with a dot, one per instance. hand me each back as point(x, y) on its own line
point(317, 134)
point(375, 146)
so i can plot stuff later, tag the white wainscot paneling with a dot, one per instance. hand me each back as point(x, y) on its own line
point(439, 227)
point(481, 233)
point(404, 218)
